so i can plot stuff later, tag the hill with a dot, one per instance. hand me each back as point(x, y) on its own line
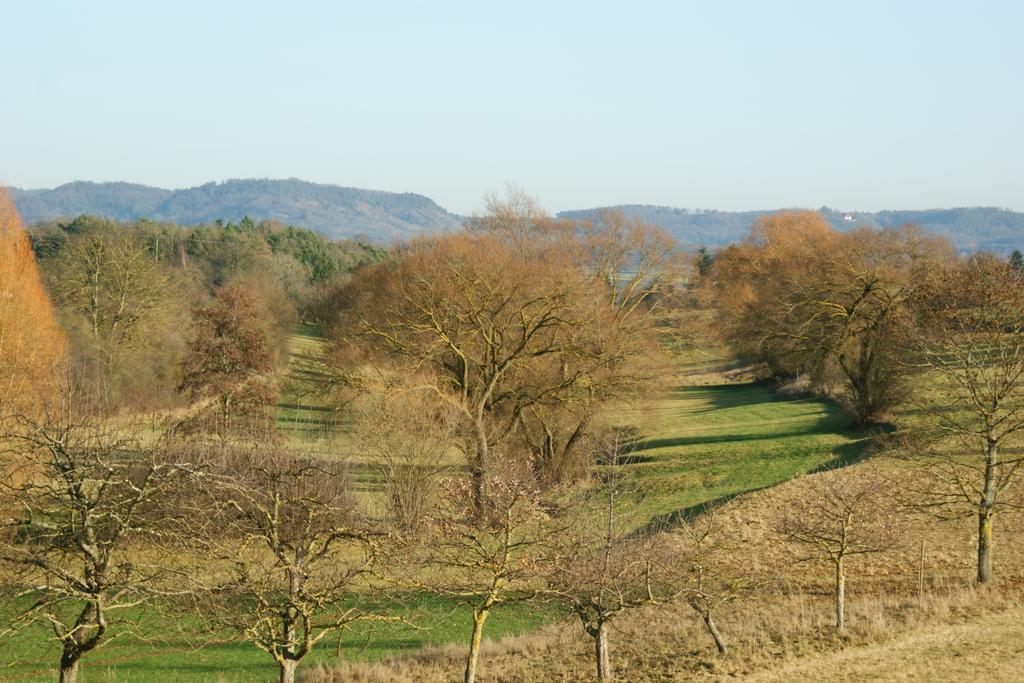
point(970, 229)
point(334, 211)
point(376, 216)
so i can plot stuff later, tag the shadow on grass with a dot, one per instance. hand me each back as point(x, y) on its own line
point(309, 330)
point(723, 396)
point(295, 405)
point(719, 438)
point(843, 456)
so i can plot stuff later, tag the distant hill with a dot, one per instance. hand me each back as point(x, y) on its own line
point(336, 212)
point(969, 229)
point(372, 215)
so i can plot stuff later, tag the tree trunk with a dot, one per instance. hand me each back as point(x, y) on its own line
point(984, 545)
point(713, 630)
point(69, 669)
point(986, 508)
point(474, 645)
point(840, 595)
point(478, 466)
point(288, 667)
point(604, 664)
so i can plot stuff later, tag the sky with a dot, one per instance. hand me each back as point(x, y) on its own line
point(856, 105)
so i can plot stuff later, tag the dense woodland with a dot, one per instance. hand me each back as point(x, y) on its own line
point(480, 372)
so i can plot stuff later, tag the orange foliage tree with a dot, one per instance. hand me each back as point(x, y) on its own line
point(31, 341)
point(830, 307)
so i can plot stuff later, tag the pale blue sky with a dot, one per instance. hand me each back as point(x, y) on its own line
point(730, 105)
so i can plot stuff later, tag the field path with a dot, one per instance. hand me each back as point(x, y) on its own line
point(990, 647)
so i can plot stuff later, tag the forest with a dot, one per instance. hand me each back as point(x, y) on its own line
point(535, 448)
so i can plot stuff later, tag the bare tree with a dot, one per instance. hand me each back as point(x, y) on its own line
point(83, 498)
point(706, 572)
point(971, 342)
point(290, 545)
point(602, 569)
point(491, 556)
point(839, 514)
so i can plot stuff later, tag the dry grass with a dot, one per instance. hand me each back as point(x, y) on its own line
point(774, 639)
point(786, 633)
point(993, 644)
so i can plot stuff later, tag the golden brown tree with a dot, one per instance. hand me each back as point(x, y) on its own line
point(226, 370)
point(515, 325)
point(827, 306)
point(31, 342)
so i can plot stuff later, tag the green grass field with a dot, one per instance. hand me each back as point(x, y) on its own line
point(694, 446)
point(708, 443)
point(170, 650)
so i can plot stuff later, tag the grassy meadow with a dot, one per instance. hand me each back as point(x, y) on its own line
point(698, 444)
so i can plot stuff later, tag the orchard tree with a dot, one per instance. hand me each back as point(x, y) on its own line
point(707, 568)
point(287, 536)
point(971, 342)
point(602, 570)
point(83, 498)
point(489, 554)
point(837, 515)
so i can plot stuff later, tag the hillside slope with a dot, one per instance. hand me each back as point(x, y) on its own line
point(336, 212)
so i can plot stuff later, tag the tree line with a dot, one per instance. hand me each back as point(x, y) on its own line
point(126, 294)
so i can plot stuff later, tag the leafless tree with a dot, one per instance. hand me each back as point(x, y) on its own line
point(705, 569)
point(82, 498)
point(411, 436)
point(602, 569)
point(287, 546)
point(971, 345)
point(839, 514)
point(492, 556)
